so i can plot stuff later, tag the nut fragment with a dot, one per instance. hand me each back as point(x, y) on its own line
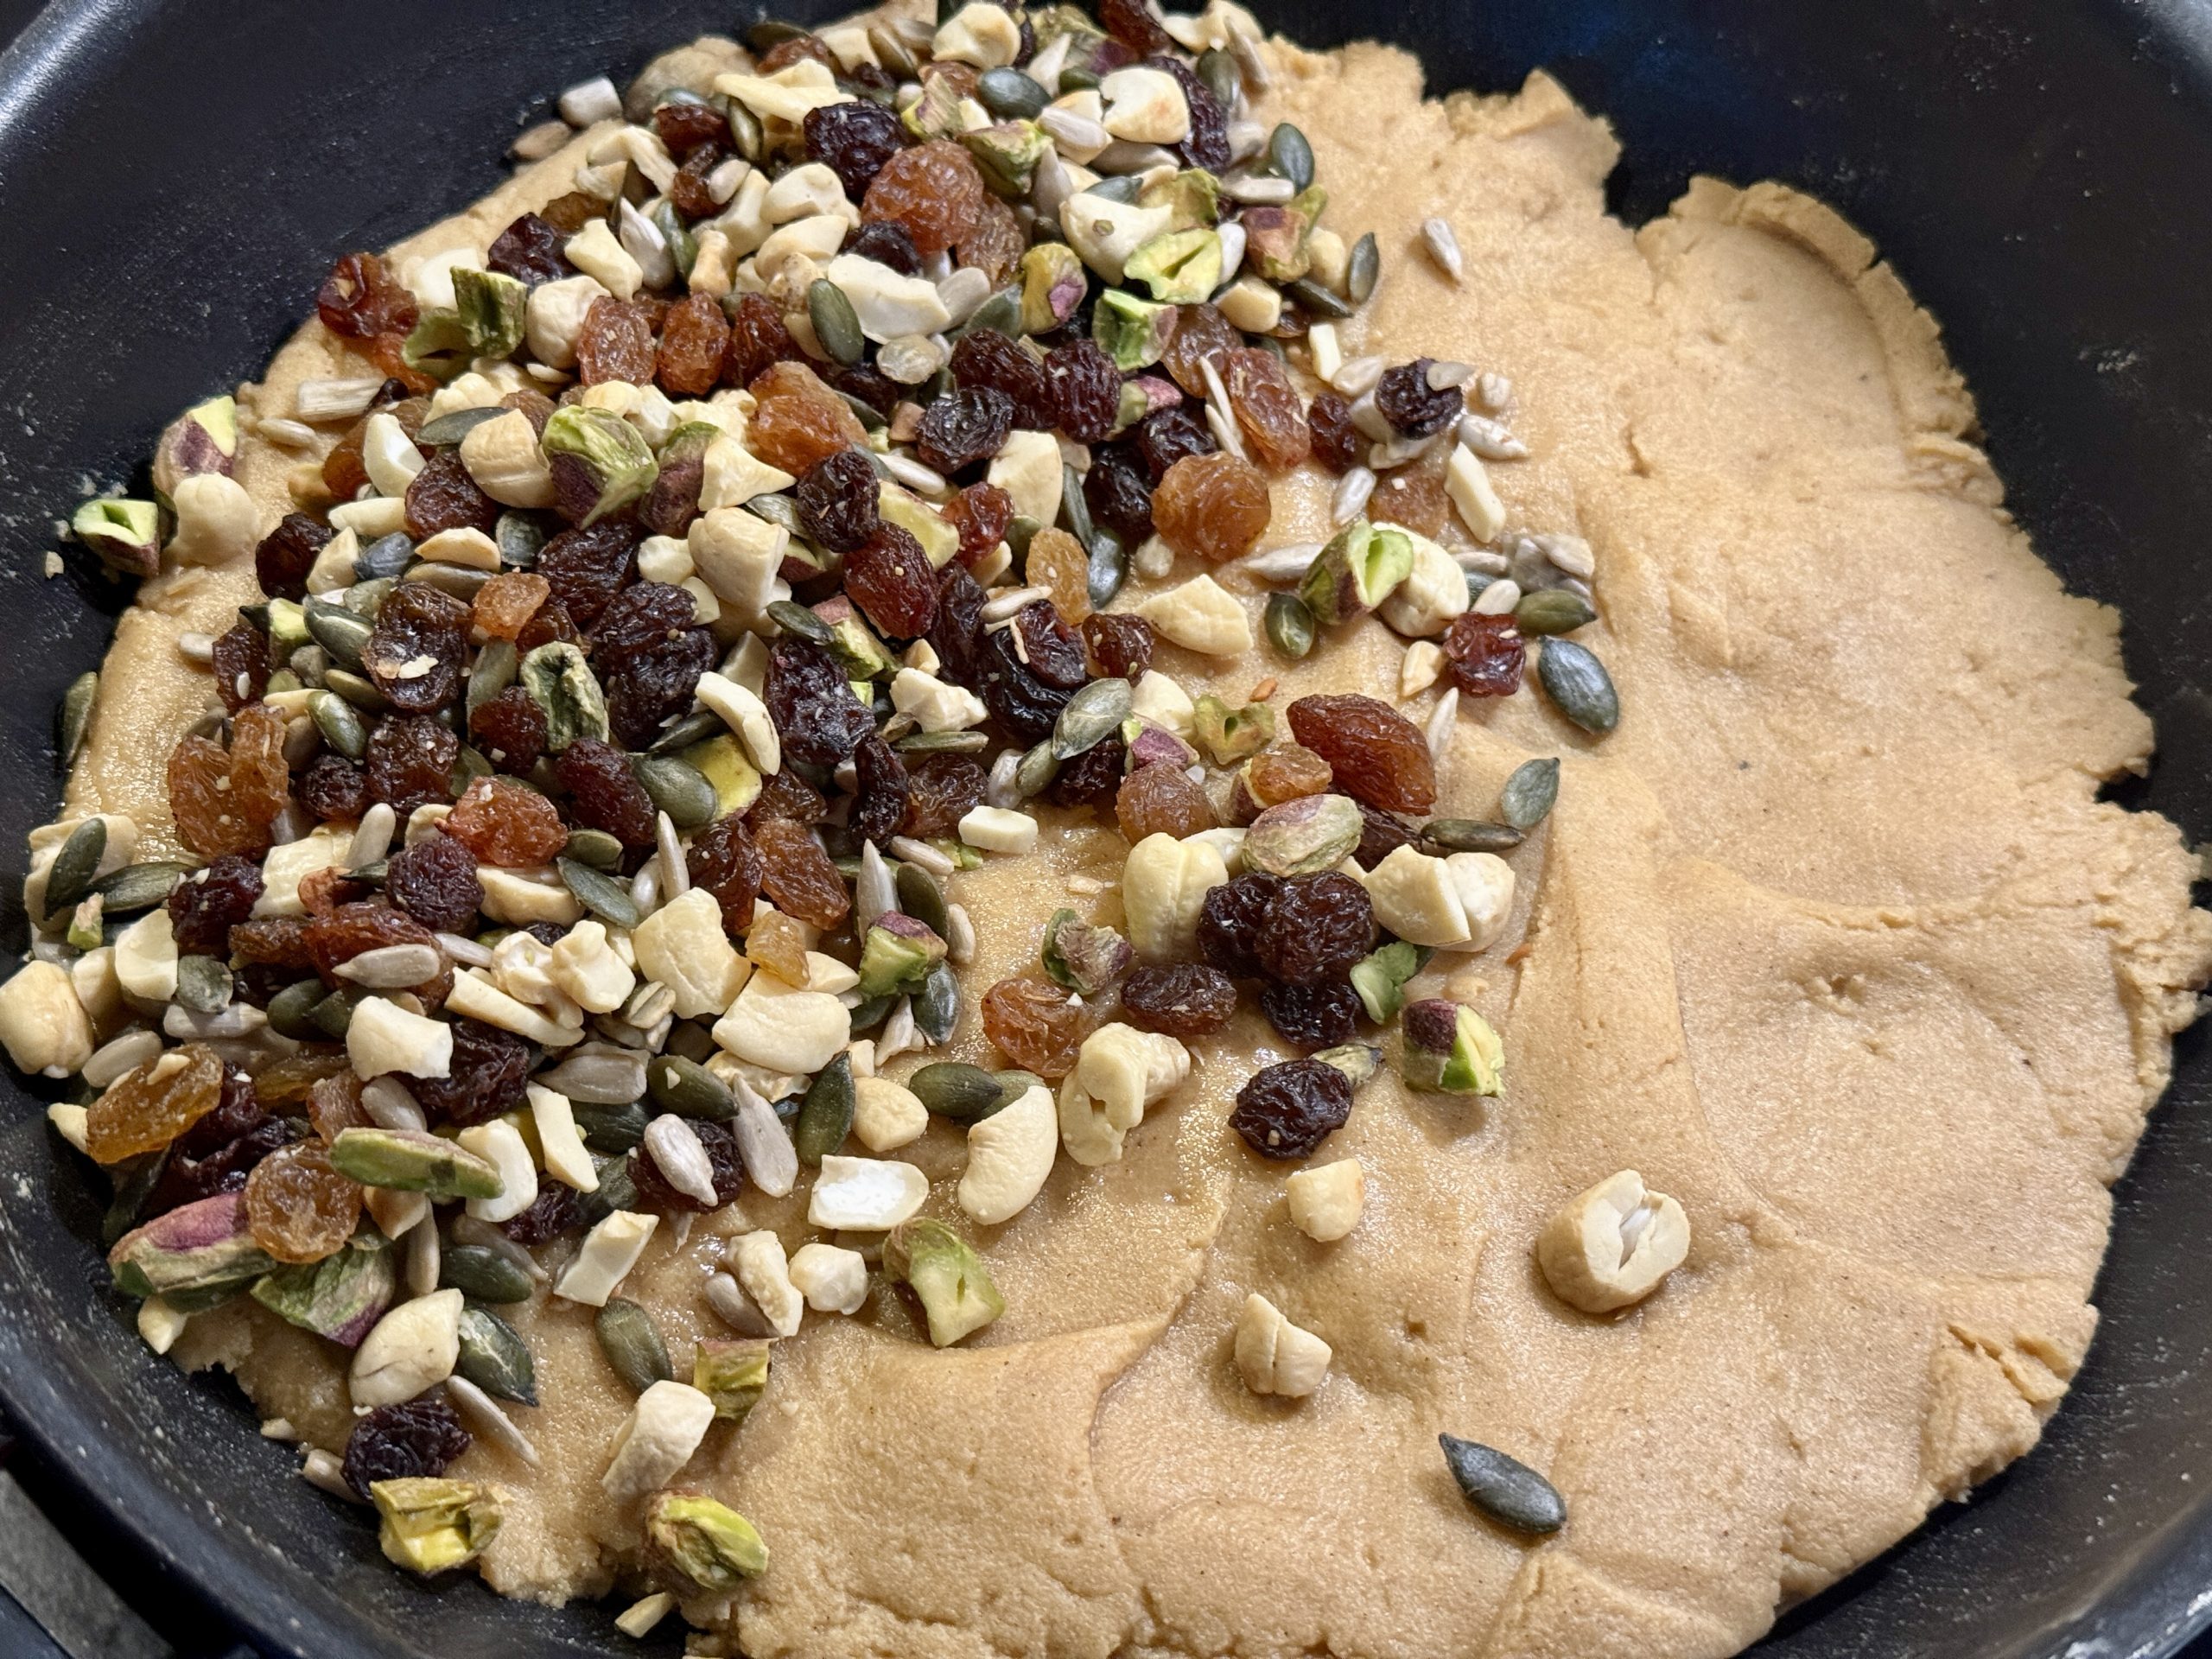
point(866, 1194)
point(1461, 900)
point(431, 1525)
point(885, 1115)
point(1276, 1357)
point(701, 1546)
point(413, 1348)
point(500, 1144)
point(43, 1026)
point(1201, 616)
point(1325, 1200)
point(1609, 1247)
point(1450, 1049)
point(785, 1029)
point(833, 1280)
point(664, 1429)
point(1118, 1073)
point(607, 1253)
point(756, 1260)
point(1164, 885)
point(947, 1277)
point(683, 946)
point(1010, 1155)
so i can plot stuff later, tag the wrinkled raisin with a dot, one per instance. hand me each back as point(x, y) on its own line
point(280, 941)
point(550, 622)
point(435, 882)
point(758, 340)
point(505, 603)
point(1485, 655)
point(867, 383)
point(1131, 23)
point(362, 298)
point(692, 196)
point(415, 1438)
point(854, 140)
point(1286, 1111)
point(1206, 145)
point(1037, 1024)
point(555, 1211)
point(1166, 436)
point(1414, 498)
point(1414, 409)
point(506, 824)
point(410, 762)
point(786, 795)
point(208, 904)
point(1312, 1016)
point(299, 1208)
point(933, 191)
point(210, 816)
point(529, 250)
point(354, 928)
point(885, 243)
point(982, 513)
point(145, 1108)
point(645, 688)
point(879, 791)
point(1057, 563)
point(615, 343)
point(588, 567)
point(488, 1077)
point(1377, 754)
point(996, 244)
point(220, 1152)
point(797, 875)
point(957, 637)
point(1118, 494)
point(1182, 999)
point(240, 663)
point(723, 861)
point(417, 652)
point(1283, 774)
point(1267, 407)
point(1229, 921)
point(941, 789)
point(683, 127)
point(837, 500)
point(332, 787)
point(1384, 833)
point(509, 729)
point(963, 428)
point(1049, 646)
point(812, 702)
point(1215, 506)
point(1120, 644)
point(1316, 928)
point(1201, 333)
point(644, 614)
point(1086, 390)
point(1091, 778)
point(1335, 440)
point(283, 556)
point(987, 360)
point(1019, 699)
point(693, 337)
point(797, 421)
point(1160, 800)
point(604, 793)
point(444, 497)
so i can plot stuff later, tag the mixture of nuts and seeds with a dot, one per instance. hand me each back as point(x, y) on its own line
point(697, 584)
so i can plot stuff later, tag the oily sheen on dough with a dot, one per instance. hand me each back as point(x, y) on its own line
point(1832, 940)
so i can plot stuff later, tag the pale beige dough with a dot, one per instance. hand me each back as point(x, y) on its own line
point(1832, 940)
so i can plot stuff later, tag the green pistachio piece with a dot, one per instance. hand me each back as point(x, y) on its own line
point(849, 639)
point(1450, 1050)
point(437, 345)
point(936, 113)
point(1192, 196)
point(561, 681)
point(599, 460)
point(946, 1275)
point(1357, 1061)
point(196, 1255)
point(86, 929)
point(674, 498)
point(490, 304)
point(1380, 979)
point(898, 954)
point(414, 1161)
point(1181, 268)
point(339, 1298)
point(701, 1544)
point(1228, 735)
point(1006, 153)
point(1131, 331)
point(204, 439)
point(1085, 957)
point(1304, 835)
point(734, 1374)
point(127, 535)
point(432, 1525)
point(1361, 566)
point(1052, 285)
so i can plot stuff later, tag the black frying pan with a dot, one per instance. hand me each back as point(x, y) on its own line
point(175, 179)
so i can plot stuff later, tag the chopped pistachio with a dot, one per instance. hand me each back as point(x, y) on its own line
point(1053, 286)
point(898, 954)
point(127, 535)
point(734, 1374)
point(601, 462)
point(1229, 735)
point(432, 1525)
point(700, 1545)
point(1380, 979)
point(491, 306)
point(1193, 199)
point(413, 1161)
point(193, 1256)
point(561, 681)
point(1361, 566)
point(204, 439)
point(1181, 268)
point(1007, 152)
point(339, 1298)
point(1131, 331)
point(1450, 1049)
point(946, 1275)
point(1305, 836)
point(1085, 957)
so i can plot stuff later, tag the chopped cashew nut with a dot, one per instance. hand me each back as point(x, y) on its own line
point(500, 1144)
point(1609, 1247)
point(413, 1347)
point(1010, 1155)
point(43, 1026)
point(383, 1037)
point(1434, 593)
point(1326, 1201)
point(1119, 1072)
point(1163, 886)
point(566, 1159)
point(740, 709)
point(871, 1195)
point(683, 947)
point(606, 1257)
point(1202, 616)
point(887, 1116)
point(1460, 901)
point(1276, 1356)
point(787, 1031)
point(664, 1429)
point(999, 830)
point(833, 1280)
point(757, 1262)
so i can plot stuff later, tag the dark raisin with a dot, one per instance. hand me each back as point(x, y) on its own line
point(547, 623)
point(813, 704)
point(417, 652)
point(1120, 644)
point(217, 1154)
point(1377, 754)
point(957, 634)
point(1485, 655)
point(1025, 704)
point(286, 553)
point(555, 1211)
point(1086, 390)
point(1131, 23)
point(240, 664)
point(1207, 146)
point(1230, 922)
point(1169, 434)
point(786, 795)
point(588, 567)
point(208, 904)
point(684, 127)
point(444, 497)
point(1115, 491)
point(1384, 834)
point(963, 428)
point(837, 498)
point(644, 614)
point(435, 882)
point(604, 793)
point(1336, 440)
point(415, 1438)
point(1091, 779)
point(332, 787)
point(509, 729)
point(488, 1077)
point(879, 791)
point(1316, 928)
point(276, 941)
point(987, 360)
point(757, 340)
point(723, 861)
point(1052, 651)
point(410, 762)
point(1312, 1016)
point(941, 789)
point(889, 577)
point(885, 243)
point(1414, 409)
point(692, 196)
point(615, 343)
point(1180, 998)
point(362, 298)
point(982, 513)
point(720, 1143)
point(854, 140)
point(530, 251)
point(649, 686)
point(1286, 1111)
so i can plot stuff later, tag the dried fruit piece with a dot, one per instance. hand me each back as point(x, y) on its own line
point(879, 791)
point(410, 762)
point(555, 1210)
point(963, 428)
point(986, 360)
point(647, 688)
point(982, 513)
point(1201, 333)
point(1485, 655)
point(797, 421)
point(1377, 755)
point(1336, 444)
point(1413, 497)
point(361, 298)
point(694, 340)
point(1161, 799)
point(786, 795)
point(417, 652)
point(1058, 562)
point(889, 577)
point(1182, 999)
point(1230, 919)
point(1414, 408)
point(529, 250)
point(1317, 927)
point(1037, 1024)
point(1086, 389)
point(1267, 407)
point(1169, 434)
point(444, 497)
point(941, 789)
point(1312, 1016)
point(615, 343)
point(415, 1440)
point(1214, 506)
point(1285, 772)
point(152, 1104)
point(798, 874)
point(297, 1207)
point(506, 824)
point(487, 1077)
point(509, 729)
point(1091, 778)
point(933, 192)
point(1120, 644)
point(204, 906)
point(435, 882)
point(286, 553)
point(758, 340)
point(838, 500)
point(723, 861)
point(1286, 1111)
point(854, 140)
point(812, 702)
point(507, 601)
point(604, 793)
point(1119, 493)
point(584, 570)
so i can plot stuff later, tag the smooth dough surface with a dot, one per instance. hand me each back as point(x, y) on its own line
point(1832, 940)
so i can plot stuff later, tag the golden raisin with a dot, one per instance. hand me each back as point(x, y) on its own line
point(798, 874)
point(506, 603)
point(151, 1105)
point(1200, 332)
point(1160, 800)
point(334, 1105)
point(1267, 407)
point(1037, 1024)
point(1056, 560)
point(778, 944)
point(298, 1207)
point(225, 802)
point(506, 824)
point(1213, 505)
point(933, 192)
point(799, 421)
point(1377, 755)
point(294, 1078)
point(1283, 773)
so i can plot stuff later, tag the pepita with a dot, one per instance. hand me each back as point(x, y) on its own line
point(1037, 769)
point(837, 325)
point(497, 664)
point(76, 717)
point(796, 618)
point(291, 1011)
point(387, 555)
point(1553, 610)
point(1315, 300)
point(482, 1275)
point(1527, 798)
point(356, 690)
point(1503, 1488)
point(340, 726)
point(557, 676)
point(1108, 569)
point(1218, 70)
point(604, 897)
point(1091, 717)
point(612, 1131)
point(868, 1015)
point(689, 1089)
point(137, 886)
point(631, 1339)
point(1470, 836)
point(943, 743)
point(203, 984)
point(1578, 685)
point(921, 898)
point(366, 599)
point(69, 878)
point(334, 1014)
point(955, 1089)
point(825, 1117)
point(595, 848)
point(450, 428)
point(1011, 96)
point(1362, 266)
point(338, 631)
point(937, 1005)
point(1289, 624)
point(495, 1358)
point(692, 729)
point(519, 539)
point(1289, 157)
point(1075, 511)
point(1000, 314)
point(677, 788)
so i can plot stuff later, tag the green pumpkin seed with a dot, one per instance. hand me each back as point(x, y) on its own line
point(610, 1131)
point(1361, 270)
point(76, 716)
point(1000, 314)
point(1108, 569)
point(1289, 624)
point(955, 1089)
point(1553, 610)
point(677, 788)
point(203, 984)
point(867, 1016)
point(1075, 511)
point(1009, 95)
point(1091, 717)
point(893, 52)
point(1289, 157)
point(837, 325)
point(1219, 72)
point(366, 599)
point(338, 631)
point(1020, 531)
point(132, 1189)
point(796, 618)
point(1527, 798)
point(495, 1358)
point(595, 848)
point(334, 1014)
point(689, 1089)
point(137, 886)
point(291, 1011)
point(825, 1117)
point(1578, 685)
point(606, 897)
point(762, 36)
point(1012, 1086)
point(692, 729)
point(69, 878)
point(616, 1190)
point(1315, 300)
point(482, 1275)
point(937, 1005)
point(340, 726)
point(1037, 769)
point(519, 539)
point(781, 511)
point(450, 428)
point(359, 692)
point(387, 555)
point(376, 873)
point(744, 133)
point(557, 676)
point(497, 664)
point(943, 743)
point(1503, 1488)
point(921, 898)
point(631, 1339)
point(1470, 836)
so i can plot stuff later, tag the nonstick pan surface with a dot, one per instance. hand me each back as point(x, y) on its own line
point(175, 179)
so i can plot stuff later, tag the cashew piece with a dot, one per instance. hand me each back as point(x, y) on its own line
point(1611, 1246)
point(756, 1260)
point(664, 1429)
point(412, 1347)
point(41, 1022)
point(1164, 885)
point(1276, 1356)
point(1009, 1156)
point(885, 1115)
point(1131, 1070)
point(1325, 1202)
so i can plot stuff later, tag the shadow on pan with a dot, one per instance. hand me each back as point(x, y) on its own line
point(176, 178)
